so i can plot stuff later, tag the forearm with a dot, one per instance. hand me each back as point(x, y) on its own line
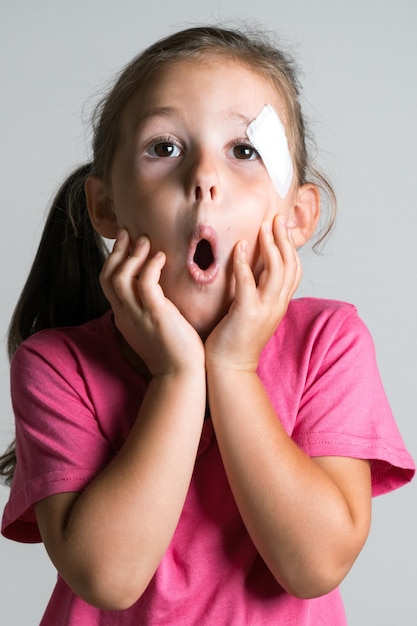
point(294, 511)
point(116, 533)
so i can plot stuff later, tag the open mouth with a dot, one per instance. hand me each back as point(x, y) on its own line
point(203, 255)
point(202, 259)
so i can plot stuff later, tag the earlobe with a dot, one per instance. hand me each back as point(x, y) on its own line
point(306, 213)
point(99, 207)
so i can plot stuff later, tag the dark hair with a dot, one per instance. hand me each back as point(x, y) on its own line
point(63, 286)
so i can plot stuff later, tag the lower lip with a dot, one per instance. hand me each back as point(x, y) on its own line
point(203, 277)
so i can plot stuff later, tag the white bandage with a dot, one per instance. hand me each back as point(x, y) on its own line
point(267, 135)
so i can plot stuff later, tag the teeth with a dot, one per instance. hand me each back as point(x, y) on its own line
point(203, 255)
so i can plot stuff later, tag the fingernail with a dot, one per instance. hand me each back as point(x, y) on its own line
point(243, 248)
point(282, 220)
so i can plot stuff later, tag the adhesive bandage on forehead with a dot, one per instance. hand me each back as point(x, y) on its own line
point(267, 135)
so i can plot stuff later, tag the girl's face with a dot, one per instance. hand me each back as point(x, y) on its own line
point(185, 175)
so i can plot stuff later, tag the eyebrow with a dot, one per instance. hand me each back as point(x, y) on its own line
point(155, 112)
point(239, 116)
point(172, 111)
point(159, 111)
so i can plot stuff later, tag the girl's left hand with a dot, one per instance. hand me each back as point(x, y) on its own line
point(237, 341)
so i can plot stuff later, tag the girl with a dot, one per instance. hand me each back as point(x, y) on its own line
point(204, 451)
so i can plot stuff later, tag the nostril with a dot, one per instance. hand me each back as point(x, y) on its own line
point(203, 255)
point(205, 193)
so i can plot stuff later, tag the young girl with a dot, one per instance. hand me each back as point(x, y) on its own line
point(204, 450)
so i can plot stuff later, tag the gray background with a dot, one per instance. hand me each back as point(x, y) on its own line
point(359, 60)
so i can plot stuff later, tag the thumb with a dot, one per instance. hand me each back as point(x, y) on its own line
point(245, 280)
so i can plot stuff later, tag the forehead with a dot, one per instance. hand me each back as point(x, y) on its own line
point(211, 84)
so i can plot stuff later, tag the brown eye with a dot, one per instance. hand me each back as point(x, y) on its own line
point(245, 151)
point(164, 149)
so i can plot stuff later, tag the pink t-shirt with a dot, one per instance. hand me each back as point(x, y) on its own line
point(76, 398)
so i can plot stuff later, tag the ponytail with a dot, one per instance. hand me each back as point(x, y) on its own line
point(63, 287)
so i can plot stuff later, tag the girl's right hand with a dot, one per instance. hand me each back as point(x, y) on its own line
point(149, 322)
point(141, 493)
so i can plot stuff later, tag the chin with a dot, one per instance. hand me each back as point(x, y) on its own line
point(204, 327)
point(204, 324)
point(204, 309)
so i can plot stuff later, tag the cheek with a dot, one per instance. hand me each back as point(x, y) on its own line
point(129, 195)
point(136, 212)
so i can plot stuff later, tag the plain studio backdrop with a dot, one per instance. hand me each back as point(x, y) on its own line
point(359, 64)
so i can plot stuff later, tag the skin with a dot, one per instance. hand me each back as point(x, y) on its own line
point(198, 337)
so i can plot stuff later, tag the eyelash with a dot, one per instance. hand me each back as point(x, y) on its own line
point(168, 140)
point(244, 143)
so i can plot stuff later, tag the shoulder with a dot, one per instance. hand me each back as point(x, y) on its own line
point(312, 326)
point(66, 356)
point(304, 312)
point(71, 341)
point(317, 340)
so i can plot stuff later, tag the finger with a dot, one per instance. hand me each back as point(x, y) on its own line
point(290, 258)
point(149, 289)
point(299, 267)
point(126, 278)
point(282, 268)
point(271, 278)
point(122, 272)
point(245, 280)
point(269, 250)
point(115, 258)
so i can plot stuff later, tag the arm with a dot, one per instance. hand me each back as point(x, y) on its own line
point(108, 541)
point(308, 517)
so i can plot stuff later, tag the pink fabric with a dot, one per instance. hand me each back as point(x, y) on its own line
point(75, 399)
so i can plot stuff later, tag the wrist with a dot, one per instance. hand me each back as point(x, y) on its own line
point(188, 364)
point(224, 364)
point(193, 373)
point(218, 369)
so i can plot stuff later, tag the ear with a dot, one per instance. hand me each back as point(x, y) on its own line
point(100, 208)
point(305, 213)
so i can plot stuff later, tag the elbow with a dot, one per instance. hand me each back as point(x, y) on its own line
point(113, 600)
point(108, 591)
point(310, 580)
point(317, 584)
point(316, 573)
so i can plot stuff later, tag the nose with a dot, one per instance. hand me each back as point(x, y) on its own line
point(204, 177)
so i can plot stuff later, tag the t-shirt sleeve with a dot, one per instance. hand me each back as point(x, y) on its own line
point(59, 443)
point(344, 410)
